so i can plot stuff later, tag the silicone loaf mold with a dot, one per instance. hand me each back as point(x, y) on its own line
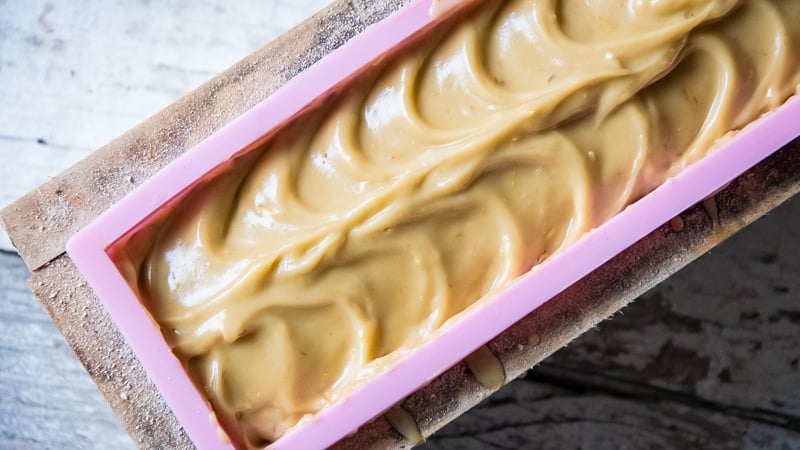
point(93, 248)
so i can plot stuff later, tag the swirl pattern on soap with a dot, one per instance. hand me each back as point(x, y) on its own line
point(439, 176)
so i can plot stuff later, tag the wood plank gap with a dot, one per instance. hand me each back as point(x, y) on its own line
point(578, 380)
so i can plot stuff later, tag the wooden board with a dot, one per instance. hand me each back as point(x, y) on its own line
point(75, 75)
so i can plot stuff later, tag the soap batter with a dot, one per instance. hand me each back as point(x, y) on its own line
point(439, 176)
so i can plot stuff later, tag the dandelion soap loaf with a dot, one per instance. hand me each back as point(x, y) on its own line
point(438, 176)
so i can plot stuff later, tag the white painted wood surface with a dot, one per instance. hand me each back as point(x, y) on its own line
point(708, 359)
point(76, 74)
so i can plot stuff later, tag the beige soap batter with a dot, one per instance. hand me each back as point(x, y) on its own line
point(439, 176)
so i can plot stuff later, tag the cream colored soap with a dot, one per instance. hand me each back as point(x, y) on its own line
point(440, 176)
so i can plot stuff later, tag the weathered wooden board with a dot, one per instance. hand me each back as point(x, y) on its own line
point(76, 74)
point(729, 334)
point(530, 414)
point(47, 399)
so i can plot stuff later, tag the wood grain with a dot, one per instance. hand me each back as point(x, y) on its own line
point(75, 75)
point(530, 414)
point(47, 399)
point(729, 334)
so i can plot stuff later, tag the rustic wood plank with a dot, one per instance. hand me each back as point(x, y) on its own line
point(533, 415)
point(47, 399)
point(75, 75)
point(727, 331)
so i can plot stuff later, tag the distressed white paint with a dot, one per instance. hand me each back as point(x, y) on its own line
point(76, 74)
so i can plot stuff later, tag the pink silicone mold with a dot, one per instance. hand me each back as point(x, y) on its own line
point(90, 248)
